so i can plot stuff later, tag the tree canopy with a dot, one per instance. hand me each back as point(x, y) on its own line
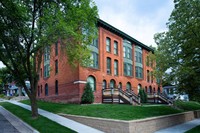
point(28, 26)
point(179, 47)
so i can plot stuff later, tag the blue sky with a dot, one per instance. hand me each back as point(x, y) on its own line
point(140, 19)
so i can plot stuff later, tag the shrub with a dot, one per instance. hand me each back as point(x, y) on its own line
point(88, 96)
point(143, 96)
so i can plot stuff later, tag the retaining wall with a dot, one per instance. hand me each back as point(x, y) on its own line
point(148, 125)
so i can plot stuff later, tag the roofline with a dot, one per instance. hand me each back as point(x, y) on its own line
point(122, 34)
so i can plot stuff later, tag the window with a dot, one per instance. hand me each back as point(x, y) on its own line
point(46, 61)
point(139, 87)
point(148, 76)
point(108, 65)
point(56, 48)
point(112, 83)
point(56, 66)
point(46, 90)
point(46, 70)
point(95, 42)
point(95, 60)
point(127, 52)
point(47, 54)
point(120, 85)
point(128, 86)
point(91, 80)
point(41, 72)
point(115, 47)
point(124, 50)
point(139, 72)
point(108, 44)
point(138, 57)
point(115, 67)
point(104, 84)
point(56, 87)
point(128, 69)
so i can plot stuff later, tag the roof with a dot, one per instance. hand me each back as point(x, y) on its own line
point(122, 34)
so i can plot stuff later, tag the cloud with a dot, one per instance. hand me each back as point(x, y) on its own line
point(141, 19)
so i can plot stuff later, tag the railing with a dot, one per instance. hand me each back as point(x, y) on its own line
point(110, 95)
point(135, 97)
point(157, 96)
point(160, 95)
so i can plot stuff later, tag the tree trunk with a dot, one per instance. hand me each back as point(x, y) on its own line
point(34, 106)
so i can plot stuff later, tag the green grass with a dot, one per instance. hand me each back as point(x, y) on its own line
point(42, 124)
point(188, 106)
point(111, 111)
point(194, 130)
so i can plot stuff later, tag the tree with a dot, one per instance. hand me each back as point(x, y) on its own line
point(180, 47)
point(88, 96)
point(143, 96)
point(28, 27)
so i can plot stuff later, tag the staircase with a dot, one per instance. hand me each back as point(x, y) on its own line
point(158, 98)
point(119, 96)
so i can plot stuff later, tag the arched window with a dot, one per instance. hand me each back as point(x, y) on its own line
point(150, 89)
point(112, 83)
point(91, 80)
point(139, 87)
point(104, 84)
point(158, 89)
point(128, 86)
point(120, 85)
point(56, 87)
point(46, 89)
point(108, 44)
point(145, 89)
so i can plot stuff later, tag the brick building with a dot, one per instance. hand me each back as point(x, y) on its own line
point(119, 61)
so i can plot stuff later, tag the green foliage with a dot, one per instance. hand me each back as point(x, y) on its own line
point(27, 27)
point(179, 48)
point(88, 96)
point(41, 124)
point(187, 106)
point(143, 96)
point(110, 111)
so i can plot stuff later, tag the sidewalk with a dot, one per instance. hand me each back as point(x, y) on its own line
point(181, 128)
point(78, 127)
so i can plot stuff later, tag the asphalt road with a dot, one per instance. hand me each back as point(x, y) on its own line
point(6, 126)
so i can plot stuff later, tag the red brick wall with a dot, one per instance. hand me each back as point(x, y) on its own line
point(70, 92)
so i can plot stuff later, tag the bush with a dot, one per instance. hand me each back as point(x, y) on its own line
point(143, 96)
point(88, 96)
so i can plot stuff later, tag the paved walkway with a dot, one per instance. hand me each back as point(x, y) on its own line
point(78, 127)
point(181, 128)
point(12, 124)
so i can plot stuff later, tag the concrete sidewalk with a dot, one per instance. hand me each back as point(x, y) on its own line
point(78, 127)
point(9, 123)
point(181, 128)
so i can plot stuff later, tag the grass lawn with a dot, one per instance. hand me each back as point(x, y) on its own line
point(42, 124)
point(188, 106)
point(111, 111)
point(194, 130)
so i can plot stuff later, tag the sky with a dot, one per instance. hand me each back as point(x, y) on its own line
point(140, 19)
